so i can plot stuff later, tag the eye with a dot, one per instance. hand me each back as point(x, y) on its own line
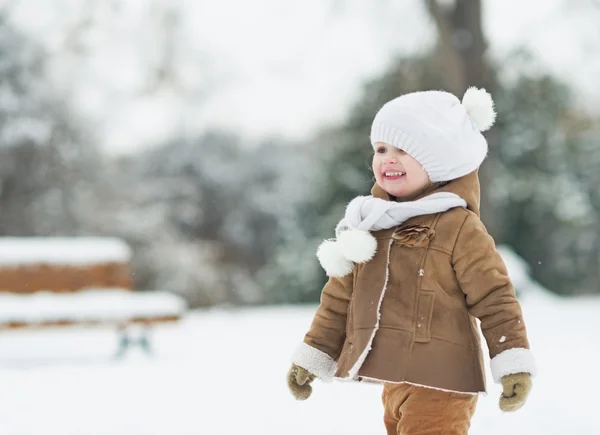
point(381, 150)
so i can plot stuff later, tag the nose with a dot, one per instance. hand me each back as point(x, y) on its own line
point(391, 159)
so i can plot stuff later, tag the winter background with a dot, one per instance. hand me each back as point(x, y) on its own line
point(222, 140)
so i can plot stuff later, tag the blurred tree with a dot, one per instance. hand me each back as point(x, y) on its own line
point(545, 177)
point(205, 214)
point(46, 169)
point(461, 47)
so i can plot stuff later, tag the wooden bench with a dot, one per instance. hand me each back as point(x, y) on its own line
point(57, 282)
point(131, 313)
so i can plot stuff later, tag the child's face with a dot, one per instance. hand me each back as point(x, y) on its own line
point(405, 177)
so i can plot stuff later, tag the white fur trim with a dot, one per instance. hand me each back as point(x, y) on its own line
point(357, 245)
point(315, 361)
point(361, 359)
point(332, 260)
point(479, 105)
point(516, 360)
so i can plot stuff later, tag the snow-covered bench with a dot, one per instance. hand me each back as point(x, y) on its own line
point(48, 281)
point(131, 313)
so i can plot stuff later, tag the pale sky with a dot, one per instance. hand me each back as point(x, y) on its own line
point(266, 67)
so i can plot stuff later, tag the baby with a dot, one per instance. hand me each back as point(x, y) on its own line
point(410, 271)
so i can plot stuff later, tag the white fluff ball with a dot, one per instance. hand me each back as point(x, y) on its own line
point(479, 105)
point(357, 245)
point(332, 260)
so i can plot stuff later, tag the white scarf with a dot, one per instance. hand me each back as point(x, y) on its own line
point(355, 244)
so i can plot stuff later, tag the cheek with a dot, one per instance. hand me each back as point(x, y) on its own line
point(424, 177)
point(419, 172)
point(376, 165)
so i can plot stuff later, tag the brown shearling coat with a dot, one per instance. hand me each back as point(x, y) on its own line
point(409, 314)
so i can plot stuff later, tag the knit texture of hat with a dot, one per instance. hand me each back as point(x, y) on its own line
point(437, 130)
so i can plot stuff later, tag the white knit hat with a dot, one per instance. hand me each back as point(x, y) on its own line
point(439, 132)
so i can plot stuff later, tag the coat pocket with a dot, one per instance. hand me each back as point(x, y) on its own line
point(424, 316)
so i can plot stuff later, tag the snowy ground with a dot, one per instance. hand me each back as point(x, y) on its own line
point(223, 372)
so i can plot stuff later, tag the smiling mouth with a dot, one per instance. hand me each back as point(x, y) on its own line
point(393, 175)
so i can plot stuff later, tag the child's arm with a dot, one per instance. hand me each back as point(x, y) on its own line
point(325, 338)
point(490, 297)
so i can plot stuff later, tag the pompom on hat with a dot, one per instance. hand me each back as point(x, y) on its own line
point(438, 130)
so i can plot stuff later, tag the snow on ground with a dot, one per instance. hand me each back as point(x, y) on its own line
point(223, 372)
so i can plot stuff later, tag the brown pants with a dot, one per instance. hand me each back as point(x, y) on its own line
point(413, 410)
